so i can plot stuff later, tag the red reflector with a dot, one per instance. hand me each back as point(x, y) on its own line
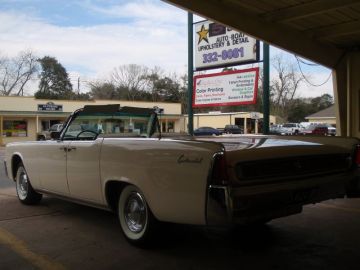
point(219, 173)
point(357, 155)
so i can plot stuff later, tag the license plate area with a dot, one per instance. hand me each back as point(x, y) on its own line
point(302, 196)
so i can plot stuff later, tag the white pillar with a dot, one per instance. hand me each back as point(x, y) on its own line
point(37, 124)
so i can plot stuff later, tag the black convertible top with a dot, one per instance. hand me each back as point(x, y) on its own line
point(115, 108)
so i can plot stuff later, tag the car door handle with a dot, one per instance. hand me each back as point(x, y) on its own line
point(67, 149)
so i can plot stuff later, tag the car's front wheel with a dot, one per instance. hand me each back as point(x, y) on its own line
point(24, 190)
point(137, 222)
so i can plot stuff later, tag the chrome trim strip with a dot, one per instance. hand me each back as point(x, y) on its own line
point(75, 200)
point(218, 206)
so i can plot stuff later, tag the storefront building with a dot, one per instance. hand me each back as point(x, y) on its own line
point(24, 118)
point(326, 116)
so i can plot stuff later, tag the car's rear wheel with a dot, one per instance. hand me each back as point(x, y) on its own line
point(24, 190)
point(137, 222)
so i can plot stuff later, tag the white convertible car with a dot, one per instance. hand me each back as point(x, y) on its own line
point(114, 158)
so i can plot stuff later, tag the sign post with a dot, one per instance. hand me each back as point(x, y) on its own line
point(190, 74)
point(266, 88)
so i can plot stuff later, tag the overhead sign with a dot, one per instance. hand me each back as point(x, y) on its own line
point(218, 46)
point(229, 88)
point(50, 107)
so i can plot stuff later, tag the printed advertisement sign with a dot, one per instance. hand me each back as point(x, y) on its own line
point(229, 88)
point(219, 46)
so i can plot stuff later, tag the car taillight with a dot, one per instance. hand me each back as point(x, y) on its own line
point(357, 155)
point(219, 174)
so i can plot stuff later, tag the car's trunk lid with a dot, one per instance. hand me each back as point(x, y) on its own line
point(259, 159)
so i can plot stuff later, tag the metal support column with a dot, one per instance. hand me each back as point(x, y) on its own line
point(1, 130)
point(190, 74)
point(245, 125)
point(266, 88)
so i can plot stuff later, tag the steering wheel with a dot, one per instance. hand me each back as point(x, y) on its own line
point(87, 130)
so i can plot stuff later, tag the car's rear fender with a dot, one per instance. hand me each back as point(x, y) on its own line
point(172, 174)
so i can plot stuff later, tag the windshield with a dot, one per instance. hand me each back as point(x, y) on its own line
point(89, 125)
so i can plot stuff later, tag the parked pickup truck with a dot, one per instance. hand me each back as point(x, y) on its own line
point(46, 134)
point(291, 129)
point(115, 158)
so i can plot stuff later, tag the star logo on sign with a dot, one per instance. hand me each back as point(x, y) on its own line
point(203, 34)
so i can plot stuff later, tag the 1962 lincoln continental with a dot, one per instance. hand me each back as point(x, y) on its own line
point(115, 158)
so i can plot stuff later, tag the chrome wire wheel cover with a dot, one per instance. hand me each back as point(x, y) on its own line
point(22, 185)
point(135, 212)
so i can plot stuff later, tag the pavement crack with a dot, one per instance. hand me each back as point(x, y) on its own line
point(8, 195)
point(30, 216)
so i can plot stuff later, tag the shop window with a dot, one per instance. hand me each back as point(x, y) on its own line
point(14, 128)
point(45, 125)
point(171, 126)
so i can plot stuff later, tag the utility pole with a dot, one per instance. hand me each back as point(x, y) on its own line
point(190, 74)
point(78, 88)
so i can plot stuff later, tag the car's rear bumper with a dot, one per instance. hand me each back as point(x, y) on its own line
point(247, 204)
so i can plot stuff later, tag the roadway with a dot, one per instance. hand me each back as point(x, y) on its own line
point(63, 235)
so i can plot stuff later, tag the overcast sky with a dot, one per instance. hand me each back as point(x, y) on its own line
point(91, 37)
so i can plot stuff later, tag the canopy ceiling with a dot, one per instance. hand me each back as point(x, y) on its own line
point(320, 30)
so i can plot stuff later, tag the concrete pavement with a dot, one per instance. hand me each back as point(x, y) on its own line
point(61, 235)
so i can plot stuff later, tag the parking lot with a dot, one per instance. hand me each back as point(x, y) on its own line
point(63, 235)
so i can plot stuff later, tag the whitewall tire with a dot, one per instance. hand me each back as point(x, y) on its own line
point(24, 190)
point(136, 220)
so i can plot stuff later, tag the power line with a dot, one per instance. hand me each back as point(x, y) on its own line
point(306, 79)
point(305, 63)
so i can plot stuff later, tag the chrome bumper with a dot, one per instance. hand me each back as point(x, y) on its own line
point(228, 205)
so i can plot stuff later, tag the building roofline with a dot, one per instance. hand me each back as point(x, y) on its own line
point(92, 101)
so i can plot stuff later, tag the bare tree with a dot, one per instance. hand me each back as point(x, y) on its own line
point(103, 90)
point(16, 72)
point(133, 78)
point(284, 85)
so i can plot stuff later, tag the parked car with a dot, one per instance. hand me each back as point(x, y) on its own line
point(46, 134)
point(233, 129)
point(146, 178)
point(205, 131)
point(316, 130)
point(291, 129)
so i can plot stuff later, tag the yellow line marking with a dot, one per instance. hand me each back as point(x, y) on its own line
point(353, 210)
point(19, 246)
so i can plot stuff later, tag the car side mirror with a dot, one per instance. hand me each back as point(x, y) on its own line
point(55, 135)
